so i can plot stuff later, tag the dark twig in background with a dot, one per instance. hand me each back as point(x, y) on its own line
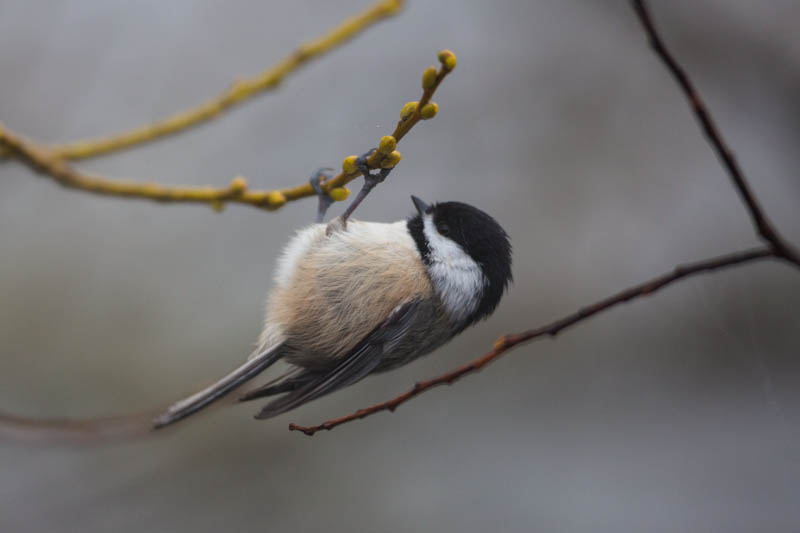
point(762, 223)
point(776, 247)
point(507, 342)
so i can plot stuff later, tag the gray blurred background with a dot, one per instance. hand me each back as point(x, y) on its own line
point(675, 413)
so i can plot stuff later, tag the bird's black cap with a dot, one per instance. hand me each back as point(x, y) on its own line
point(479, 235)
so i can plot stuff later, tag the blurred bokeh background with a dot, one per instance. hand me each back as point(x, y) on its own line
point(675, 413)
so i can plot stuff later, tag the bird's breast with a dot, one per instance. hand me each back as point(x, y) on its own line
point(331, 291)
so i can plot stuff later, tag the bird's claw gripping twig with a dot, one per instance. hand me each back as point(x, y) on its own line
point(370, 181)
point(325, 200)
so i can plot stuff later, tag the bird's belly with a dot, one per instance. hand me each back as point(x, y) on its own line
point(342, 288)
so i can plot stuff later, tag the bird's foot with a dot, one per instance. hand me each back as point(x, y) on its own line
point(371, 179)
point(324, 199)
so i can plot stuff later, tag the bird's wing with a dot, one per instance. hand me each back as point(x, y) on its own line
point(353, 367)
point(244, 373)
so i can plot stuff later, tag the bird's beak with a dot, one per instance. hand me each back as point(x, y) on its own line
point(421, 206)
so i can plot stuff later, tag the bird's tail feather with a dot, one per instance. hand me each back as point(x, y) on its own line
point(94, 431)
point(257, 363)
point(290, 381)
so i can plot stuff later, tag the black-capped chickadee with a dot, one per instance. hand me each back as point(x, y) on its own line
point(354, 299)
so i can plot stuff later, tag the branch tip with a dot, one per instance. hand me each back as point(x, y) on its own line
point(448, 60)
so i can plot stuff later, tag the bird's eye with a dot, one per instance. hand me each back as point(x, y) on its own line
point(444, 229)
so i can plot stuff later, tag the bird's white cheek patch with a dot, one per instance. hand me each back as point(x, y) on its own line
point(457, 278)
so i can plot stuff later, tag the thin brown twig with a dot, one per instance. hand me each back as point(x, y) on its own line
point(90, 431)
point(507, 342)
point(776, 247)
point(765, 228)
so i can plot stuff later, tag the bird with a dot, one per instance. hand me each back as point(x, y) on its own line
point(353, 298)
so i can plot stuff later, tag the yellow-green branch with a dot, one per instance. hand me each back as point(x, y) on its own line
point(49, 162)
point(411, 113)
point(239, 91)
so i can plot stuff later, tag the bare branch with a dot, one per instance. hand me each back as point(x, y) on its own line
point(239, 91)
point(762, 223)
point(75, 431)
point(507, 342)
